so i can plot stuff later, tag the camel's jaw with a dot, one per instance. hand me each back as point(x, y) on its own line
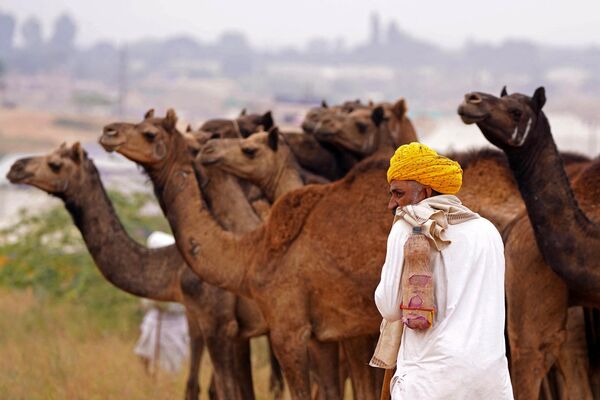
point(110, 143)
point(471, 114)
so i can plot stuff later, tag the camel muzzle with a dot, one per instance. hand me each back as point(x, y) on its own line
point(18, 172)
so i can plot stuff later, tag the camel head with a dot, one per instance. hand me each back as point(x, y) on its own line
point(401, 128)
point(242, 126)
point(55, 173)
point(146, 143)
point(256, 158)
point(315, 114)
point(507, 121)
point(356, 131)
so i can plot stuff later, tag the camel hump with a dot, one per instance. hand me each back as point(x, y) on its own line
point(289, 214)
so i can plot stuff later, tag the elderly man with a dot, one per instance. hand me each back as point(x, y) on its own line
point(462, 354)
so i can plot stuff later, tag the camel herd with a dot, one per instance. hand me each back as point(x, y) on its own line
point(284, 234)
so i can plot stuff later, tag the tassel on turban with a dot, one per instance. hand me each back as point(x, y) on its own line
point(417, 162)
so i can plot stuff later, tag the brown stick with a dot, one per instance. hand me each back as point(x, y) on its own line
point(385, 388)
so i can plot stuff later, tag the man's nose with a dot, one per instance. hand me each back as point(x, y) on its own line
point(392, 204)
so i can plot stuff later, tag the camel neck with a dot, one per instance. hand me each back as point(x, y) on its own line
point(560, 227)
point(286, 179)
point(228, 202)
point(215, 255)
point(121, 260)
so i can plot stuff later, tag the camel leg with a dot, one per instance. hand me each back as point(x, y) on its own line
point(324, 358)
point(358, 352)
point(572, 363)
point(291, 349)
point(276, 377)
point(192, 389)
point(592, 328)
point(537, 302)
point(243, 368)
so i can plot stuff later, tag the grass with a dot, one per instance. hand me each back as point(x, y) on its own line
point(59, 350)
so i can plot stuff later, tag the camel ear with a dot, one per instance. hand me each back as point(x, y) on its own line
point(539, 99)
point(273, 138)
point(189, 128)
point(371, 104)
point(400, 108)
point(149, 114)
point(324, 104)
point(78, 154)
point(377, 116)
point(503, 92)
point(267, 121)
point(170, 120)
point(243, 112)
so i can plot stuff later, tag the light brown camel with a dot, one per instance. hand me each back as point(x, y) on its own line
point(366, 130)
point(266, 160)
point(517, 125)
point(304, 286)
point(159, 274)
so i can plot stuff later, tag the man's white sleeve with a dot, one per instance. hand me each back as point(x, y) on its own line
point(387, 295)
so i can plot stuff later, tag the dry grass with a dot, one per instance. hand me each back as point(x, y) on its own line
point(57, 351)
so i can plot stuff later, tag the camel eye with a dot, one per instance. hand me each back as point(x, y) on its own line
point(249, 152)
point(362, 127)
point(516, 114)
point(55, 166)
point(150, 135)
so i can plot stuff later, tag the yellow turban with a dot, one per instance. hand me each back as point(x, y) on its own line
point(417, 162)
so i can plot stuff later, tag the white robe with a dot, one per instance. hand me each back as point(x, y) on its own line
point(462, 356)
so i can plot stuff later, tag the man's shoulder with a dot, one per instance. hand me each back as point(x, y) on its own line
point(480, 227)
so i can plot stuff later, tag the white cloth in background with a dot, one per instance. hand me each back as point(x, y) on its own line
point(174, 338)
point(462, 356)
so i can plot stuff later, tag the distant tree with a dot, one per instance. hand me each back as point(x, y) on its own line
point(32, 33)
point(7, 32)
point(63, 36)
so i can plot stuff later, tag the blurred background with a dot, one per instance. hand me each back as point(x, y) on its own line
point(67, 67)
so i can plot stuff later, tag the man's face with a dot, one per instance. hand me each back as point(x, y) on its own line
point(403, 193)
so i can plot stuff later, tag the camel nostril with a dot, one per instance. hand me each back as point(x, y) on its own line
point(110, 132)
point(473, 98)
point(208, 150)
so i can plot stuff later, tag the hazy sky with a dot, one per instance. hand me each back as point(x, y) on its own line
point(275, 23)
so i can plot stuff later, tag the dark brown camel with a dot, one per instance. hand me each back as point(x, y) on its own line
point(569, 240)
point(242, 126)
point(538, 168)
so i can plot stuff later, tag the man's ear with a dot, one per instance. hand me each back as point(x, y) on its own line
point(539, 99)
point(273, 138)
point(378, 115)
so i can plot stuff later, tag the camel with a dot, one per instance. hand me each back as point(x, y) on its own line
point(570, 241)
point(266, 160)
point(242, 126)
point(159, 274)
point(517, 125)
point(285, 265)
point(366, 130)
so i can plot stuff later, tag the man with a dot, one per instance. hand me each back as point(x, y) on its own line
point(164, 339)
point(462, 355)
